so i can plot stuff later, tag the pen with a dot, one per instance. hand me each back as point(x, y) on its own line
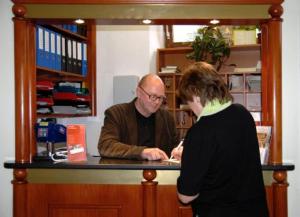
point(177, 147)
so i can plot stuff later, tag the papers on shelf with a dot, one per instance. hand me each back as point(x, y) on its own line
point(243, 37)
point(264, 139)
point(169, 69)
point(254, 82)
point(244, 69)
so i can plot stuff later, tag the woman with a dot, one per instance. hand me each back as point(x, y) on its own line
point(220, 167)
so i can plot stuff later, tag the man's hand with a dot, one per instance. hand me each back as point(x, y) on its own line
point(177, 152)
point(154, 154)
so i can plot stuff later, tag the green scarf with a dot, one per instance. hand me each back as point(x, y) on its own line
point(213, 107)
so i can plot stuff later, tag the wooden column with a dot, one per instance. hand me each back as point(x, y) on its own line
point(149, 193)
point(280, 186)
point(91, 58)
point(20, 193)
point(24, 87)
point(274, 57)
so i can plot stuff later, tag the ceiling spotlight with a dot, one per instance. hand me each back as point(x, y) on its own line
point(79, 21)
point(214, 21)
point(147, 21)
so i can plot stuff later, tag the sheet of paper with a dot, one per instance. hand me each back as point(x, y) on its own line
point(172, 160)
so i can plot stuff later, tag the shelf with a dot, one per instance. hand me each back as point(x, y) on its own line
point(169, 74)
point(243, 56)
point(189, 49)
point(239, 73)
point(58, 73)
point(67, 32)
point(246, 47)
point(62, 115)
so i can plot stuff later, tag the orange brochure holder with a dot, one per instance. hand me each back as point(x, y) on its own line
point(76, 142)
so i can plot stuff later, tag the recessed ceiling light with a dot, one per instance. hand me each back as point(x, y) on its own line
point(79, 21)
point(147, 21)
point(214, 21)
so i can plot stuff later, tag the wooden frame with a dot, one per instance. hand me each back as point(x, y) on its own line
point(25, 83)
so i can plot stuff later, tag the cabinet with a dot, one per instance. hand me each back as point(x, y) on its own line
point(64, 70)
point(243, 80)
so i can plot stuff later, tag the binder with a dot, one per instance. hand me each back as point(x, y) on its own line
point(63, 54)
point(52, 50)
point(69, 55)
point(40, 46)
point(81, 30)
point(74, 28)
point(47, 48)
point(74, 56)
point(84, 59)
point(58, 52)
point(79, 57)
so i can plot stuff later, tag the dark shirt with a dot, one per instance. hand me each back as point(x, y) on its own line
point(221, 163)
point(146, 125)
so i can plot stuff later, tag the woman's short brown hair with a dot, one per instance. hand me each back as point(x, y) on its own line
point(201, 79)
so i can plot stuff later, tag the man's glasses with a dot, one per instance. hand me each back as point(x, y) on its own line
point(153, 98)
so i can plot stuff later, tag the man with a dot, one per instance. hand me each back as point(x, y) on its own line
point(139, 129)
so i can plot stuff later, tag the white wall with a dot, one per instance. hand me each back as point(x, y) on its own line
point(291, 99)
point(106, 69)
point(7, 133)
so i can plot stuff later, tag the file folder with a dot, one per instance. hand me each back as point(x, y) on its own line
point(69, 55)
point(79, 57)
point(63, 54)
point(84, 59)
point(74, 56)
point(52, 50)
point(47, 48)
point(58, 52)
point(40, 46)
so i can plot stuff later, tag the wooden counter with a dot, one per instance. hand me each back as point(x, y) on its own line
point(115, 188)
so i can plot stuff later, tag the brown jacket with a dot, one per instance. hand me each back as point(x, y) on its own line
point(119, 137)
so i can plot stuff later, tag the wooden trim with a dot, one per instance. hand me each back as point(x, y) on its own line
point(32, 88)
point(224, 2)
point(20, 193)
point(280, 186)
point(91, 56)
point(23, 90)
point(274, 48)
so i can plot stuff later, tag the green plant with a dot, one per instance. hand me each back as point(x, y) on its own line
point(210, 46)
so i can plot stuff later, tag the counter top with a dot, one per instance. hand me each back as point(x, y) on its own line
point(109, 163)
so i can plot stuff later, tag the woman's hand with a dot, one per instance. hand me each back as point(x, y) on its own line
point(177, 152)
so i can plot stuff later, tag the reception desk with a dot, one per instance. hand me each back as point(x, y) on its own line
point(116, 188)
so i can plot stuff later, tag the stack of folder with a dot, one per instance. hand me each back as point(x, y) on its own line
point(62, 98)
point(60, 52)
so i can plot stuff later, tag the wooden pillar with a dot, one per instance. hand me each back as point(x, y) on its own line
point(280, 204)
point(274, 59)
point(20, 193)
point(149, 193)
point(91, 58)
point(24, 84)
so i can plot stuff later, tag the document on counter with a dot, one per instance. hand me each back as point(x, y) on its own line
point(172, 160)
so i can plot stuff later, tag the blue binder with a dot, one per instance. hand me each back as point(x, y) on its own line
point(84, 59)
point(40, 46)
point(58, 51)
point(52, 50)
point(47, 59)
